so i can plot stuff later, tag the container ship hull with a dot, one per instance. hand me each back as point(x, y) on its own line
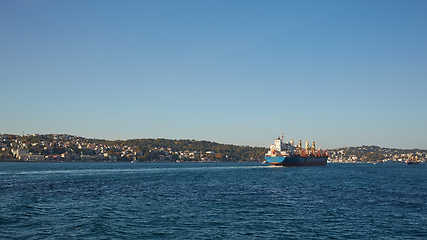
point(298, 161)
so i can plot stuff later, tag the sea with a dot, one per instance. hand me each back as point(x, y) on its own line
point(212, 201)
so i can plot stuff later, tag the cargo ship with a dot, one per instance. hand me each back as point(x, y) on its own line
point(287, 154)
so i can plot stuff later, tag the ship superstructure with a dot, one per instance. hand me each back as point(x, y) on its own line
point(288, 154)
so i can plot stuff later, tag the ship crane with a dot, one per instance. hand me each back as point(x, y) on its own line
point(314, 148)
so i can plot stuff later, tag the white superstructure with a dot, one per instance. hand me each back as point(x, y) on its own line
point(280, 148)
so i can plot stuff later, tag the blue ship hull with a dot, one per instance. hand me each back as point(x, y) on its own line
point(297, 161)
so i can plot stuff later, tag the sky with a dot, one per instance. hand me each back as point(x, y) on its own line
point(341, 73)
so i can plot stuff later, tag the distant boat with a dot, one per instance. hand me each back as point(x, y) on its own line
point(412, 161)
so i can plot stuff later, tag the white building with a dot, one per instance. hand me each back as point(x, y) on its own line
point(21, 153)
point(35, 158)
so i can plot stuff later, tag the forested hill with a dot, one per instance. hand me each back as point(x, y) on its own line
point(64, 147)
point(189, 148)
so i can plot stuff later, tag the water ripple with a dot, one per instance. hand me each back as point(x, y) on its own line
point(206, 201)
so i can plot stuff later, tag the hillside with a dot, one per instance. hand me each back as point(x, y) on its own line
point(64, 147)
point(374, 154)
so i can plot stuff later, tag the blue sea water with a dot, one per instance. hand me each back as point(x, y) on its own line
point(212, 201)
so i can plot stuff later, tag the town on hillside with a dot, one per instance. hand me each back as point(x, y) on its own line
point(375, 154)
point(69, 148)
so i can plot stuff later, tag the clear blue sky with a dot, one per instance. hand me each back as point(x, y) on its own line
point(341, 73)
